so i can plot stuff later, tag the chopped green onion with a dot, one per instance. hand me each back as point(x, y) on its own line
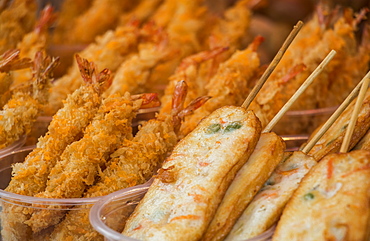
point(213, 128)
point(233, 126)
point(308, 196)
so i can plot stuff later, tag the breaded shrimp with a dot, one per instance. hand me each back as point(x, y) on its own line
point(67, 126)
point(132, 164)
point(81, 161)
point(109, 51)
point(133, 74)
point(34, 42)
point(230, 85)
point(188, 21)
point(331, 141)
point(315, 40)
point(25, 105)
point(187, 70)
point(69, 11)
point(16, 119)
point(101, 16)
point(10, 61)
point(141, 12)
point(16, 20)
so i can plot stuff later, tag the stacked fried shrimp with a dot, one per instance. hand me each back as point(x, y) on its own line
point(20, 112)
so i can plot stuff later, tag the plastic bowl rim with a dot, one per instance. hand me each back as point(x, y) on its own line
point(96, 209)
point(8, 196)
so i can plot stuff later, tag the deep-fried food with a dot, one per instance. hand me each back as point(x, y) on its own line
point(183, 198)
point(267, 206)
point(25, 105)
point(332, 201)
point(266, 156)
point(131, 164)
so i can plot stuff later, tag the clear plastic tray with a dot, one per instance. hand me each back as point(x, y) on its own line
point(108, 216)
point(8, 199)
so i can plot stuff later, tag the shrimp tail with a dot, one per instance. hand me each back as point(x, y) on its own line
point(10, 60)
point(149, 100)
point(47, 18)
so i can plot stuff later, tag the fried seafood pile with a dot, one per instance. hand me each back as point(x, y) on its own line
point(197, 63)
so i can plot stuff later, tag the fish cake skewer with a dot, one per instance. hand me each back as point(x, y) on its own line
point(266, 156)
point(194, 178)
point(332, 202)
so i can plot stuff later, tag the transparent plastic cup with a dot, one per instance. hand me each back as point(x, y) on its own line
point(14, 146)
point(108, 216)
point(8, 200)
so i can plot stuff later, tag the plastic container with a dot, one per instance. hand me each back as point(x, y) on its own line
point(9, 200)
point(14, 146)
point(108, 216)
point(302, 122)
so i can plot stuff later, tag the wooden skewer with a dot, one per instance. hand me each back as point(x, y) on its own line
point(301, 89)
point(334, 116)
point(352, 123)
point(273, 64)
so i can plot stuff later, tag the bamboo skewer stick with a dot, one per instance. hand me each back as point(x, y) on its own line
point(334, 116)
point(352, 123)
point(273, 64)
point(300, 90)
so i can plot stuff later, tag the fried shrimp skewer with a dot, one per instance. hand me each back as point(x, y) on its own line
point(16, 119)
point(81, 161)
point(133, 75)
point(16, 21)
point(109, 51)
point(313, 43)
point(229, 85)
point(183, 198)
point(21, 111)
point(34, 42)
point(67, 125)
point(100, 17)
point(188, 71)
point(10, 61)
point(131, 164)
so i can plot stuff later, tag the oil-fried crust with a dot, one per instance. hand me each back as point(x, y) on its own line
point(332, 201)
point(250, 178)
point(183, 198)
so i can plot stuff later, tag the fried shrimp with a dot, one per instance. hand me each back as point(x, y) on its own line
point(101, 16)
point(81, 161)
point(16, 119)
point(315, 41)
point(230, 85)
point(109, 51)
point(331, 141)
point(16, 20)
point(133, 74)
point(67, 125)
point(141, 12)
point(10, 61)
point(131, 164)
point(184, 196)
point(25, 105)
point(34, 42)
point(188, 70)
